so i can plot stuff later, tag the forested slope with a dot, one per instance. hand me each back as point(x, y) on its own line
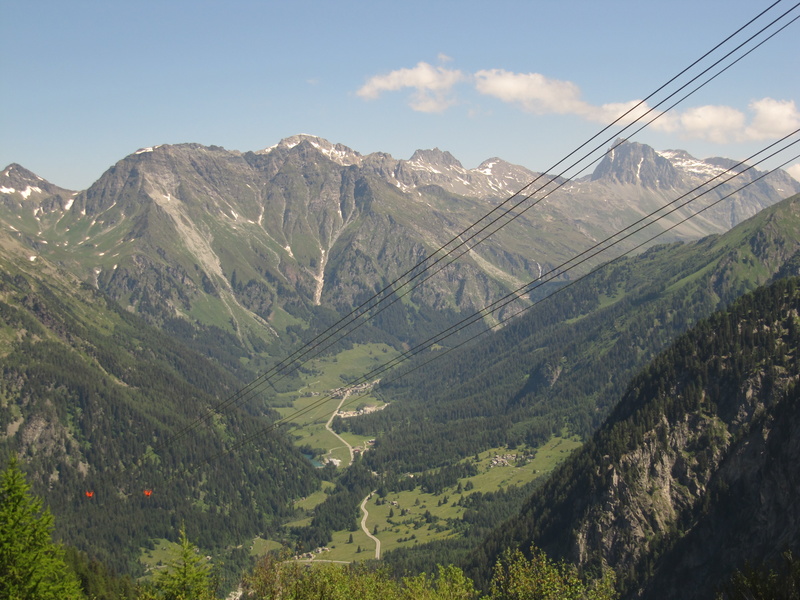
point(694, 472)
point(92, 399)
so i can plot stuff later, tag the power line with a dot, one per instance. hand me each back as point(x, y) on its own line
point(390, 290)
point(553, 179)
point(534, 284)
point(597, 249)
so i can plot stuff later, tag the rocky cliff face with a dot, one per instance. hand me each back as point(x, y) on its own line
point(749, 511)
point(699, 496)
point(637, 164)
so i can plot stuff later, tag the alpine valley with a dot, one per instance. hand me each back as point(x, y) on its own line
point(142, 319)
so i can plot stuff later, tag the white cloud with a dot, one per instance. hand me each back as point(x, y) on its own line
point(627, 112)
point(773, 119)
point(794, 171)
point(533, 92)
point(718, 124)
point(432, 86)
point(541, 95)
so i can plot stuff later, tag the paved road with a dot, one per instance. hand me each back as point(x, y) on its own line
point(366, 529)
point(328, 427)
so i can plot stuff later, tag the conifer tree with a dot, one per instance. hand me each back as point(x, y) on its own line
point(187, 576)
point(32, 566)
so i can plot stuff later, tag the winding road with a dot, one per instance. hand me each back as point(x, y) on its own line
point(363, 502)
point(328, 427)
point(366, 529)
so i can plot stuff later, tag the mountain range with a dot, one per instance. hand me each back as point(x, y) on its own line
point(254, 242)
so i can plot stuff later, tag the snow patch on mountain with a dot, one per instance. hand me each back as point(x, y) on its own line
point(148, 149)
point(422, 166)
point(684, 161)
point(27, 191)
point(486, 167)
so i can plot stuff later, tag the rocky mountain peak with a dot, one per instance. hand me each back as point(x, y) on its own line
point(633, 163)
point(435, 158)
point(497, 167)
point(490, 165)
point(15, 174)
point(20, 187)
point(17, 179)
point(338, 153)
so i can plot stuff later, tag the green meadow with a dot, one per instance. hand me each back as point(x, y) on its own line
point(309, 408)
point(406, 518)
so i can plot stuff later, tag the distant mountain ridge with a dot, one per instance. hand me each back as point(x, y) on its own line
point(637, 164)
point(254, 242)
point(625, 162)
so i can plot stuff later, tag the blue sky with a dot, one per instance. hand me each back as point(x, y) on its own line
point(88, 82)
